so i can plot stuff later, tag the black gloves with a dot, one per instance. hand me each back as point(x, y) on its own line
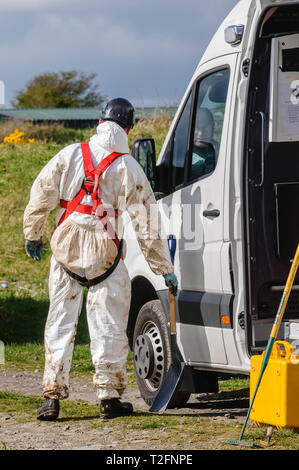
point(34, 249)
point(171, 282)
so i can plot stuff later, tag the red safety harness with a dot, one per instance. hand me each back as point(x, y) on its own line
point(90, 186)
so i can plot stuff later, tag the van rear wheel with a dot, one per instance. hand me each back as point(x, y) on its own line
point(152, 355)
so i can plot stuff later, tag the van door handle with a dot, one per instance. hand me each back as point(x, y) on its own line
point(211, 213)
point(261, 183)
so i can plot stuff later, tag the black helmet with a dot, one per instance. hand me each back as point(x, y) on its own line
point(119, 110)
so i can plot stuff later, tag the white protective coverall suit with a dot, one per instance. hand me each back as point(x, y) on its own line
point(83, 246)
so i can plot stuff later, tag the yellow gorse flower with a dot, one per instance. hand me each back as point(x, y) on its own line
point(17, 137)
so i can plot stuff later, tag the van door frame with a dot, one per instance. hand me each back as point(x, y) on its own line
point(231, 65)
point(250, 307)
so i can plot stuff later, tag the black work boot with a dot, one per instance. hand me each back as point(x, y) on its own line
point(49, 411)
point(114, 407)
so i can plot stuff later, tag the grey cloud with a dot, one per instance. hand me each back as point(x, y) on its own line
point(20, 6)
point(146, 51)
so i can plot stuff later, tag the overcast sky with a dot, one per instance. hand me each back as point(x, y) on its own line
point(145, 51)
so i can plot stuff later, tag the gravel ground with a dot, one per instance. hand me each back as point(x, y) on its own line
point(227, 408)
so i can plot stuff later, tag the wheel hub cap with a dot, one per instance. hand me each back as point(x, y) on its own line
point(149, 356)
point(144, 356)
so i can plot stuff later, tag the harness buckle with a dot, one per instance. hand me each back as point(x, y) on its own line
point(88, 180)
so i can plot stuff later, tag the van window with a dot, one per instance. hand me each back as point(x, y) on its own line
point(180, 145)
point(210, 108)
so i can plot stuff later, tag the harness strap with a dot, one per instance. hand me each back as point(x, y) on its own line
point(87, 160)
point(90, 186)
point(71, 206)
point(87, 209)
point(103, 165)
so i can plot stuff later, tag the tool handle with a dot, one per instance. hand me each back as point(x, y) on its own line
point(172, 315)
point(172, 246)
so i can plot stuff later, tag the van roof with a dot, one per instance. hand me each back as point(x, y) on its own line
point(242, 14)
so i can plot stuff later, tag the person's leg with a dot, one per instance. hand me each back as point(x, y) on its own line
point(66, 297)
point(107, 308)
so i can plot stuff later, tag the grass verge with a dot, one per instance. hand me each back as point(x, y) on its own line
point(30, 356)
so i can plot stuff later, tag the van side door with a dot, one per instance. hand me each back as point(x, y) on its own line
point(194, 210)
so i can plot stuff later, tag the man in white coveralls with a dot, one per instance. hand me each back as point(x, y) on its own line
point(94, 183)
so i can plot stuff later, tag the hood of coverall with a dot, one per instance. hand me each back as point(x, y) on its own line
point(111, 137)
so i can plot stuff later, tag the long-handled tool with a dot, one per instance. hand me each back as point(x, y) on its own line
point(177, 372)
point(273, 335)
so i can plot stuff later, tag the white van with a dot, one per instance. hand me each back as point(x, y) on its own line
point(230, 165)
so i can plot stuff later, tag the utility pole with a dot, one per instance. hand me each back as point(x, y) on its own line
point(2, 93)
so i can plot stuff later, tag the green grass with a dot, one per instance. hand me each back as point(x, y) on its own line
point(154, 422)
point(16, 402)
point(2, 445)
point(30, 356)
point(234, 383)
point(26, 406)
point(282, 438)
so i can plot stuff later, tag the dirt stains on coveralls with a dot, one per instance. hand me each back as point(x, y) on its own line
point(117, 377)
point(54, 383)
point(82, 245)
point(74, 333)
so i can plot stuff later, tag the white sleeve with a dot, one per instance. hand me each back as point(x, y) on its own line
point(146, 220)
point(44, 197)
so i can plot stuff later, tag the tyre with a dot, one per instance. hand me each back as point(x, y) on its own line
point(152, 355)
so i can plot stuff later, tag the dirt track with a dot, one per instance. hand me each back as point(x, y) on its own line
point(83, 433)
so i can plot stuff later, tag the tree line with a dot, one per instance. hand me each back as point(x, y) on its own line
point(64, 89)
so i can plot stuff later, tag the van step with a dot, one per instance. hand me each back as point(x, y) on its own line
point(258, 349)
point(281, 288)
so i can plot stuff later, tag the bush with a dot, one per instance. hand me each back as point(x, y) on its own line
point(56, 133)
point(156, 128)
point(17, 137)
point(44, 133)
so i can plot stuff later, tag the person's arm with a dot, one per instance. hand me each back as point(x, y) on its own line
point(44, 197)
point(146, 219)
